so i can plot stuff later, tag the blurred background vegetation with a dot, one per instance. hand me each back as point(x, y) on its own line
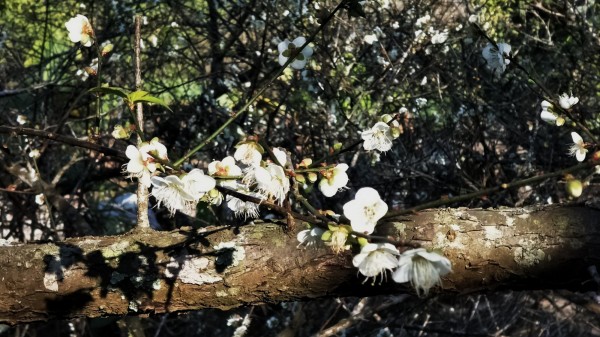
point(465, 130)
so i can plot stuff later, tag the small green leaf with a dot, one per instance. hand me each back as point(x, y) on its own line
point(144, 96)
point(111, 91)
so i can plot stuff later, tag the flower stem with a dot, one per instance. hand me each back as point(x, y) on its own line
point(486, 191)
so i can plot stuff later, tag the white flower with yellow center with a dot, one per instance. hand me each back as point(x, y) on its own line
point(365, 210)
point(248, 153)
point(80, 30)
point(422, 269)
point(333, 180)
point(566, 101)
point(496, 57)
point(287, 49)
point(378, 137)
point(375, 259)
point(225, 168)
point(578, 148)
point(142, 163)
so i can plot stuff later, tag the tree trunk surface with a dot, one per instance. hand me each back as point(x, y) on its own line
point(156, 272)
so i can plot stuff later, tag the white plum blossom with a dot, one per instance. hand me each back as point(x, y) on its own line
point(333, 180)
point(40, 199)
point(197, 184)
point(548, 115)
point(280, 155)
point(181, 194)
point(287, 49)
point(578, 148)
point(375, 259)
point(566, 101)
point(225, 168)
point(379, 137)
point(365, 210)
point(248, 153)
point(141, 163)
point(370, 39)
point(170, 192)
point(272, 182)
point(310, 237)
point(422, 269)
point(80, 30)
point(496, 57)
point(440, 37)
point(247, 209)
point(35, 154)
point(22, 119)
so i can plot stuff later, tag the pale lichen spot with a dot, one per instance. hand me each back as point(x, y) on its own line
point(400, 227)
point(188, 270)
point(492, 233)
point(441, 241)
point(528, 254)
point(115, 249)
point(221, 293)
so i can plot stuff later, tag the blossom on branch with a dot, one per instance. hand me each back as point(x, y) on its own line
point(566, 101)
point(80, 30)
point(247, 209)
point(248, 152)
point(142, 162)
point(375, 259)
point(378, 137)
point(365, 210)
point(422, 269)
point(225, 168)
point(333, 180)
point(287, 49)
point(197, 184)
point(182, 194)
point(496, 57)
point(170, 192)
point(272, 182)
point(549, 116)
point(578, 148)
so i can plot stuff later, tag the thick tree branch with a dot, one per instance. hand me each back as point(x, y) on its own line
point(156, 272)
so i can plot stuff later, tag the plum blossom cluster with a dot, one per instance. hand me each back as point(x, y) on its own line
point(245, 172)
point(579, 148)
point(381, 135)
point(422, 269)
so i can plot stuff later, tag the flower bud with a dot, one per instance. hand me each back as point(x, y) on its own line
point(574, 188)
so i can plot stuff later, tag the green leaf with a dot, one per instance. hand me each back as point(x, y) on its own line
point(144, 96)
point(111, 91)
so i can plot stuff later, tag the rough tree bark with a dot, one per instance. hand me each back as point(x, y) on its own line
point(156, 272)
